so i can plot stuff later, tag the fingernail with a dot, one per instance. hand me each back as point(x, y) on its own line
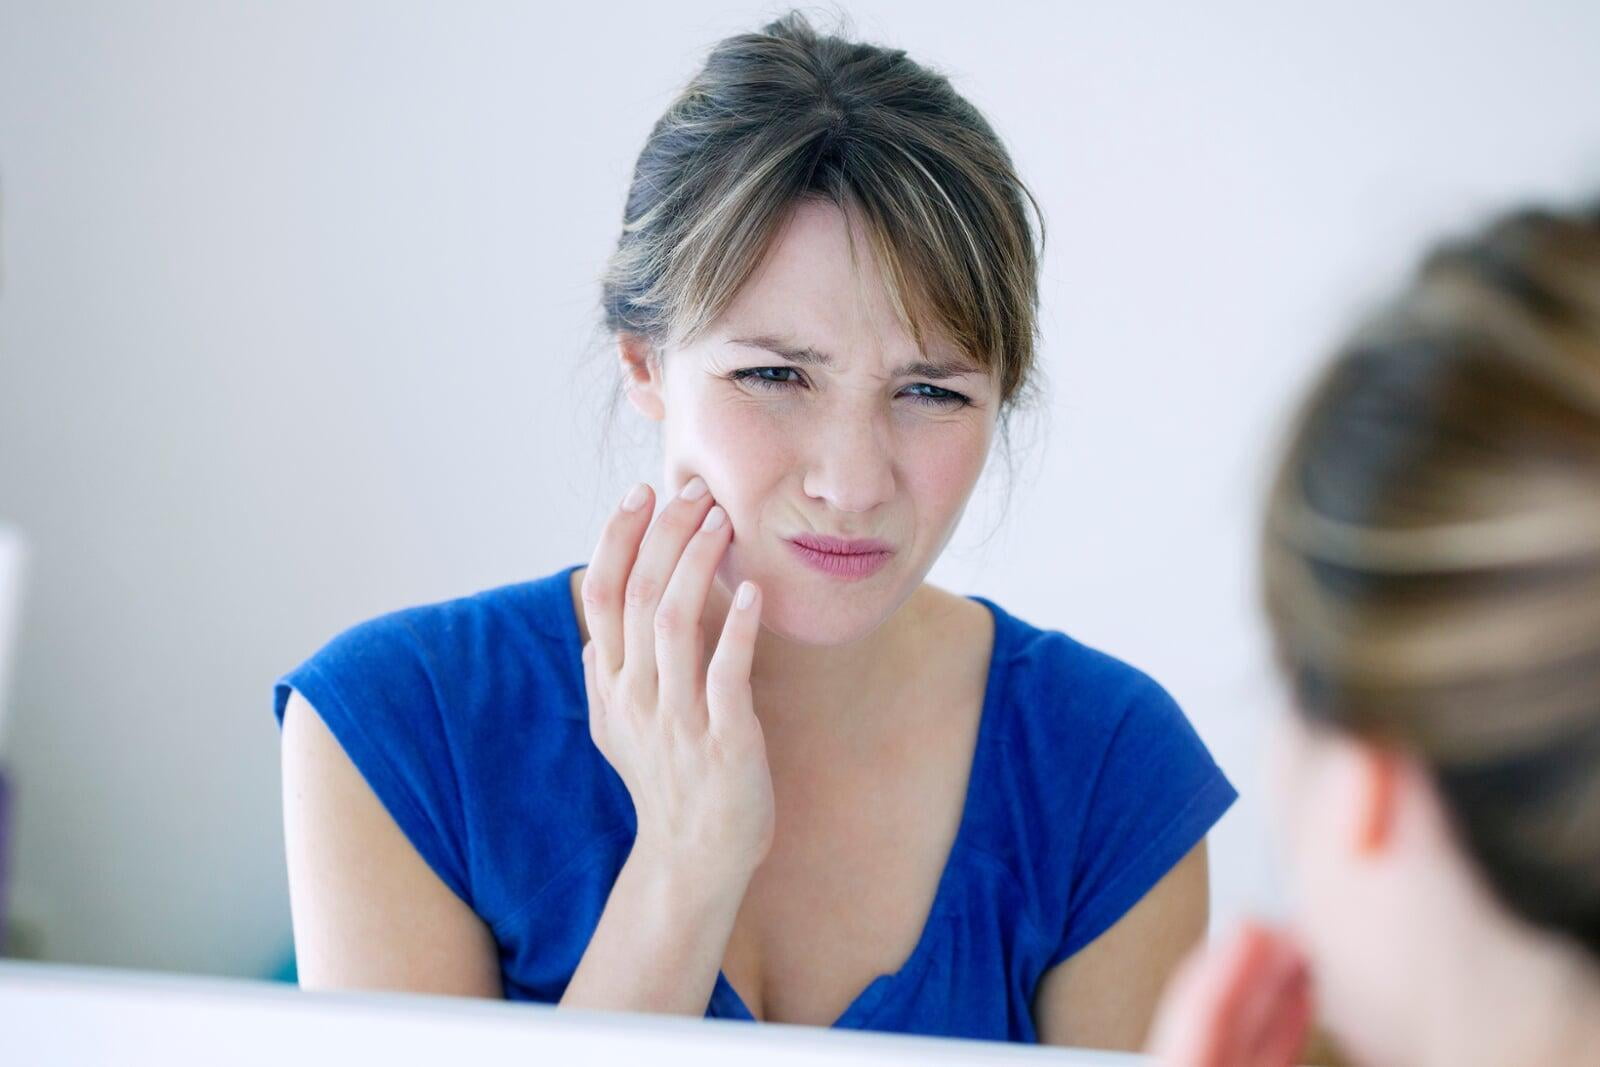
point(746, 596)
point(635, 498)
point(714, 518)
point(695, 489)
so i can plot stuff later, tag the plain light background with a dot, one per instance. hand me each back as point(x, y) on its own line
point(298, 316)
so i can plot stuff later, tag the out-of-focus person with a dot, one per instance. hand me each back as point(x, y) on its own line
point(1431, 572)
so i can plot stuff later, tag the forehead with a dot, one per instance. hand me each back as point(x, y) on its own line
point(812, 287)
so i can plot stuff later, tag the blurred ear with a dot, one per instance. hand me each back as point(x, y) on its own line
point(1384, 781)
point(641, 374)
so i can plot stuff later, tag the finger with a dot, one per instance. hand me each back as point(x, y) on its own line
point(1199, 1015)
point(1263, 985)
point(1252, 994)
point(1284, 1045)
point(606, 576)
point(679, 645)
point(1280, 1034)
point(1300, 1013)
point(657, 559)
point(728, 700)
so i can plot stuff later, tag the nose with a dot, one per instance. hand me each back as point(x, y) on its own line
point(852, 467)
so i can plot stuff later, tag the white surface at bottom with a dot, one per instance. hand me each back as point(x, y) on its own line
point(56, 1015)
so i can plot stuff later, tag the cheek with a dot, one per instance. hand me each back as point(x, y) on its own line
point(1341, 925)
point(740, 449)
point(1312, 826)
point(1293, 817)
point(941, 465)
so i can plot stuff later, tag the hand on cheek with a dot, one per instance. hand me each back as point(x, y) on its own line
point(681, 733)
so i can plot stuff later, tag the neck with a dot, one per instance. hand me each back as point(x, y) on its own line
point(1510, 994)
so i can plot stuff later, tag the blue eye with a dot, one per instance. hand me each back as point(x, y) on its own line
point(937, 397)
point(758, 376)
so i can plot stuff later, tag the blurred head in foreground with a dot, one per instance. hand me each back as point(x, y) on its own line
point(1431, 570)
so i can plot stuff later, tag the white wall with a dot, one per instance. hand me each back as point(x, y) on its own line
point(296, 326)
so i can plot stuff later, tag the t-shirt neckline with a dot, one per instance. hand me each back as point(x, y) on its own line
point(725, 1000)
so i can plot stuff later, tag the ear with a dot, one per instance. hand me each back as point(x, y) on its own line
point(641, 373)
point(1384, 782)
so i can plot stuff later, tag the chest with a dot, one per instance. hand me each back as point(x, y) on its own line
point(864, 834)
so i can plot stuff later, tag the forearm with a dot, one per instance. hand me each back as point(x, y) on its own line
point(660, 941)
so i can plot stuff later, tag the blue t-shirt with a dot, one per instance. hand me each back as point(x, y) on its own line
point(469, 721)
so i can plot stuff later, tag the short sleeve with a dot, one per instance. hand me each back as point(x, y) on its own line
point(373, 688)
point(1156, 794)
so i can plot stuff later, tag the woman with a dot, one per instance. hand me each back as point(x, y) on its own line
point(747, 763)
point(1432, 575)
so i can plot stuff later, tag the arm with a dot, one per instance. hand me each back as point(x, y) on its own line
point(683, 736)
point(368, 911)
point(1104, 995)
point(659, 944)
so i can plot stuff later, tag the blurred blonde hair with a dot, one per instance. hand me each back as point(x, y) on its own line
point(1431, 550)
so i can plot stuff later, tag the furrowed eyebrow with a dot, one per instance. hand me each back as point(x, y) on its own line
point(805, 355)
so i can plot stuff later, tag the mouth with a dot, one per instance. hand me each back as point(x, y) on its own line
point(841, 557)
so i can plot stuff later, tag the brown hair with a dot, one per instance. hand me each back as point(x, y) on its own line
point(788, 113)
point(1431, 551)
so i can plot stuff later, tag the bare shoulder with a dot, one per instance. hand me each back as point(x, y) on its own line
point(368, 911)
point(1105, 995)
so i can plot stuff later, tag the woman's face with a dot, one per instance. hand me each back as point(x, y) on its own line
point(812, 415)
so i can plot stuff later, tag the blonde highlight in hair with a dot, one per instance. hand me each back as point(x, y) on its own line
point(1431, 550)
point(788, 114)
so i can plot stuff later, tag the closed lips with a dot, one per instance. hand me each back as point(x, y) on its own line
point(840, 557)
point(841, 546)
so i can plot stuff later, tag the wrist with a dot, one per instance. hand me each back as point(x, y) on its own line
point(683, 883)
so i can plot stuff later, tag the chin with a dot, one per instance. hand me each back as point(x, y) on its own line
point(800, 619)
point(813, 609)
